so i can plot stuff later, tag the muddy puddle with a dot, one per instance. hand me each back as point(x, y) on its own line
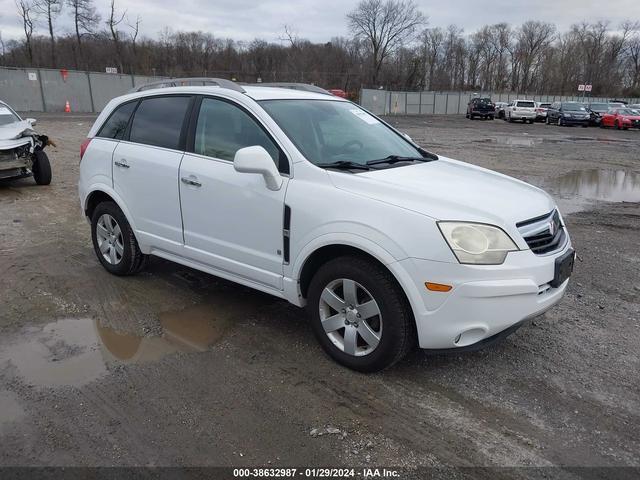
point(579, 190)
point(73, 352)
point(530, 141)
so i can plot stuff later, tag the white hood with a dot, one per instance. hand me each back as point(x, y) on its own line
point(15, 134)
point(447, 189)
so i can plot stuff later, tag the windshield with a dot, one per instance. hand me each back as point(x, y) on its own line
point(574, 107)
point(327, 131)
point(7, 116)
point(627, 111)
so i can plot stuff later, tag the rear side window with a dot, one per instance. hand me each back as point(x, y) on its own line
point(116, 124)
point(158, 121)
point(223, 129)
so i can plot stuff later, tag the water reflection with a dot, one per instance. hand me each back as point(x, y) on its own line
point(579, 190)
point(77, 351)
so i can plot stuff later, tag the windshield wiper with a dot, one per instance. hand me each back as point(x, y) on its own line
point(396, 158)
point(344, 165)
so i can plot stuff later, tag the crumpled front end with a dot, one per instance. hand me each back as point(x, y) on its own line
point(18, 142)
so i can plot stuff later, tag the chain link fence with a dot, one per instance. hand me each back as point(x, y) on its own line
point(384, 102)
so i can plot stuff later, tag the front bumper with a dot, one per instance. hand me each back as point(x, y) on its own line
point(484, 301)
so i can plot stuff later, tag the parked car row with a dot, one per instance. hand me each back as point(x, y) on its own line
point(613, 114)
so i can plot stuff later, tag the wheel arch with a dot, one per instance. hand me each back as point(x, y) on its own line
point(102, 193)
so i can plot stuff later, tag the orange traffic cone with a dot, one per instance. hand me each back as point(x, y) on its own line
point(67, 107)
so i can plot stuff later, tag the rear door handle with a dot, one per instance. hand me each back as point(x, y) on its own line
point(122, 163)
point(191, 180)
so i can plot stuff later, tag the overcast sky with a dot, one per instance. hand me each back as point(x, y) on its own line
point(319, 20)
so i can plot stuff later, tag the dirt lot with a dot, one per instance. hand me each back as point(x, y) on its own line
point(175, 367)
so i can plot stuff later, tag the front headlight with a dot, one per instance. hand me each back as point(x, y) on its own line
point(477, 243)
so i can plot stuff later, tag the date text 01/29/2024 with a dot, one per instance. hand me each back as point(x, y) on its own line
point(315, 473)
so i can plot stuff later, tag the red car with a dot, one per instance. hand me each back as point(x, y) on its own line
point(338, 92)
point(621, 118)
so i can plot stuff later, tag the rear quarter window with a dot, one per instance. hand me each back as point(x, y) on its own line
point(158, 121)
point(116, 124)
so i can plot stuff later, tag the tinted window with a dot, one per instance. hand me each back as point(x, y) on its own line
point(526, 104)
point(116, 124)
point(158, 121)
point(224, 128)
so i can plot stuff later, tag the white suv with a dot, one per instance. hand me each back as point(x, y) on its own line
point(310, 198)
point(524, 110)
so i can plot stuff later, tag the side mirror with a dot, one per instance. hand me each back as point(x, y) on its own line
point(32, 121)
point(257, 160)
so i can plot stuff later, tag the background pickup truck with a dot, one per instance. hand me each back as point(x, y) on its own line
point(481, 107)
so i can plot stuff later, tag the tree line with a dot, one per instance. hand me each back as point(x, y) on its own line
point(391, 45)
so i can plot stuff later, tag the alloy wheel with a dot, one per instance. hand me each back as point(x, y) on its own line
point(109, 237)
point(351, 317)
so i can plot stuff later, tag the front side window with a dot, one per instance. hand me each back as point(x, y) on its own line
point(116, 124)
point(327, 131)
point(223, 129)
point(158, 121)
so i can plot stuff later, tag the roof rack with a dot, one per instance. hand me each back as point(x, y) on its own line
point(190, 81)
point(306, 87)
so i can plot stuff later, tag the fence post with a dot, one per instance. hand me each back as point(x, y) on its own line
point(459, 100)
point(93, 106)
point(133, 81)
point(44, 104)
point(406, 99)
point(420, 104)
point(434, 103)
point(446, 104)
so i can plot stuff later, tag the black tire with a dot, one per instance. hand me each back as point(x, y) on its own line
point(617, 125)
point(547, 122)
point(133, 260)
point(41, 168)
point(398, 324)
point(491, 117)
point(530, 122)
point(560, 122)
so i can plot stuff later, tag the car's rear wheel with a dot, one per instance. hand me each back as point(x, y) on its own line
point(491, 117)
point(41, 168)
point(547, 121)
point(360, 315)
point(114, 241)
point(560, 122)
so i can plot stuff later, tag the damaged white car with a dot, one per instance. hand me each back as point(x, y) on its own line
point(22, 148)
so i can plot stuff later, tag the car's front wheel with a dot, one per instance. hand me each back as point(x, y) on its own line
point(41, 168)
point(114, 241)
point(360, 314)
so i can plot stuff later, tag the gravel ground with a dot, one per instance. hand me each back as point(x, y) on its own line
point(175, 367)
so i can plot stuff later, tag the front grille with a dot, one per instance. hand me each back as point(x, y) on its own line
point(544, 234)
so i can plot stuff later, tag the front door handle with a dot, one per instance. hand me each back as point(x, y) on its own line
point(193, 181)
point(122, 163)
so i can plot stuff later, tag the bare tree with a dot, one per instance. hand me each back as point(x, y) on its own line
point(114, 20)
point(25, 11)
point(386, 26)
point(50, 9)
point(135, 30)
point(533, 39)
point(85, 18)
